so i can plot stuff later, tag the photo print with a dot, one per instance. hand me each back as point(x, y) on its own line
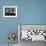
point(9, 11)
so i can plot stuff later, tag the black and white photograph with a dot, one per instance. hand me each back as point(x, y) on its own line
point(9, 11)
point(29, 34)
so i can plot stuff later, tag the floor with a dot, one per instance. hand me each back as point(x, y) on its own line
point(28, 43)
point(7, 45)
point(32, 43)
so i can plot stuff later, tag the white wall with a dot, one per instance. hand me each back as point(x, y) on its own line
point(41, 27)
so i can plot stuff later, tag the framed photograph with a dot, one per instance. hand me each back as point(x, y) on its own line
point(33, 32)
point(9, 11)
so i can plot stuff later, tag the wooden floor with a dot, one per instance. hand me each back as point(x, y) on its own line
point(30, 43)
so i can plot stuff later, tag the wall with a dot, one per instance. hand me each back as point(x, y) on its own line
point(33, 11)
point(7, 25)
point(33, 27)
point(29, 12)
